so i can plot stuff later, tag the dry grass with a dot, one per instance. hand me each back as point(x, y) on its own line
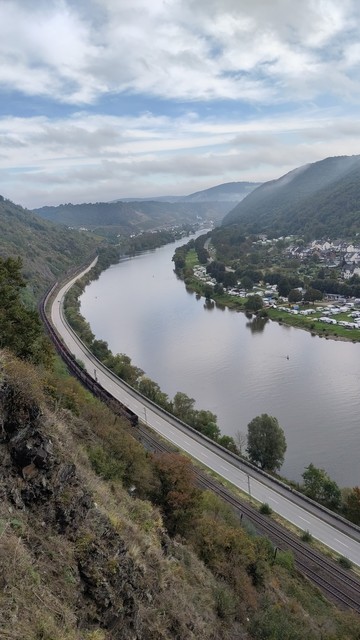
point(114, 572)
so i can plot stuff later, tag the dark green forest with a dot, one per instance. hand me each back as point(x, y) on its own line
point(315, 201)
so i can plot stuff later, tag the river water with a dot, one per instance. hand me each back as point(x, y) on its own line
point(232, 366)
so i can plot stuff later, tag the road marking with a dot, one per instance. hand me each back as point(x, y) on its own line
point(273, 499)
point(204, 455)
point(225, 468)
point(343, 543)
point(304, 519)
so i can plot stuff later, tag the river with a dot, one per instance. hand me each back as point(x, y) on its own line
point(233, 366)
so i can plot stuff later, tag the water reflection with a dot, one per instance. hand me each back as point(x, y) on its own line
point(231, 365)
point(257, 324)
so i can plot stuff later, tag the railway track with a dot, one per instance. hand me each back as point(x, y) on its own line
point(337, 584)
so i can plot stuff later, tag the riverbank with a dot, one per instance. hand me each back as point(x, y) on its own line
point(234, 366)
point(283, 316)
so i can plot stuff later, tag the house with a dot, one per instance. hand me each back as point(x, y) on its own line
point(350, 270)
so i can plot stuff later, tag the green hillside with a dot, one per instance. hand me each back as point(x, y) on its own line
point(47, 250)
point(112, 218)
point(315, 200)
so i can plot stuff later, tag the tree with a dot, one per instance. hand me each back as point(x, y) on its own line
point(247, 283)
point(312, 294)
point(352, 505)
point(183, 407)
point(20, 327)
point(295, 295)
point(121, 365)
point(208, 291)
point(151, 390)
point(284, 287)
point(254, 303)
point(176, 494)
point(240, 441)
point(205, 422)
point(266, 442)
point(229, 279)
point(228, 443)
point(320, 487)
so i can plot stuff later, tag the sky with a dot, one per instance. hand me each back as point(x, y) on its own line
point(107, 99)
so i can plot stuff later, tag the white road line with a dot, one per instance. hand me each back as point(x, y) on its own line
point(273, 500)
point(343, 543)
point(301, 518)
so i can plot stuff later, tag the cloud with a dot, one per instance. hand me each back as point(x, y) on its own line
point(171, 96)
point(96, 157)
point(249, 51)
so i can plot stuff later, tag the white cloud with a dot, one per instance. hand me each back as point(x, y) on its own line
point(93, 158)
point(255, 57)
point(250, 51)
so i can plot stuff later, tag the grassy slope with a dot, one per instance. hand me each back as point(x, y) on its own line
point(82, 560)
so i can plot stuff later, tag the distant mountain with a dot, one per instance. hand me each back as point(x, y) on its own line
point(47, 250)
point(316, 200)
point(227, 192)
point(130, 215)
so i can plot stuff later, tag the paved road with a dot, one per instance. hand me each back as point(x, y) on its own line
point(335, 534)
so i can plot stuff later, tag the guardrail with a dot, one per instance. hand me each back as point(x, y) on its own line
point(244, 465)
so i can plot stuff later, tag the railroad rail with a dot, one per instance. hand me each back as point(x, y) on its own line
point(77, 370)
point(338, 585)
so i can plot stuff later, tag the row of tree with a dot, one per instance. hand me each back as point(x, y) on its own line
point(266, 447)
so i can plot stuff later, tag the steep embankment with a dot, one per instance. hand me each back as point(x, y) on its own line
point(318, 199)
point(80, 559)
point(46, 249)
point(85, 556)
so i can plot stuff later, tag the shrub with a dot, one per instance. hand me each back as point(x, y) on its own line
point(306, 536)
point(105, 465)
point(285, 559)
point(344, 562)
point(265, 509)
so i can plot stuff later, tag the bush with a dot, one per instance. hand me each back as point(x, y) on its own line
point(265, 509)
point(306, 536)
point(105, 465)
point(345, 563)
point(285, 559)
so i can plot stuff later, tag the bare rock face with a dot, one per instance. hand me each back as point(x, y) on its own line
point(108, 576)
point(35, 477)
point(17, 413)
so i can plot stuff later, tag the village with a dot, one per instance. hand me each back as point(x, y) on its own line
point(339, 258)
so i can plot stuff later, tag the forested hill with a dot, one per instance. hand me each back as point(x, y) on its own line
point(225, 192)
point(229, 191)
point(46, 249)
point(111, 218)
point(315, 200)
point(131, 215)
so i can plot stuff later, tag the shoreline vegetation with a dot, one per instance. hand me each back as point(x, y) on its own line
point(189, 256)
point(101, 539)
point(182, 406)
